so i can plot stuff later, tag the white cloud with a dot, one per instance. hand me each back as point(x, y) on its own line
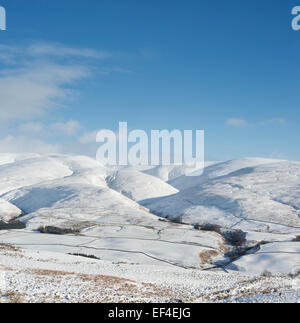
point(31, 127)
point(8, 54)
point(77, 148)
point(237, 122)
point(19, 144)
point(13, 54)
point(36, 77)
point(54, 49)
point(35, 80)
point(88, 137)
point(242, 123)
point(280, 121)
point(31, 91)
point(68, 128)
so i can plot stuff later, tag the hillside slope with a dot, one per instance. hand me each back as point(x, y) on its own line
point(238, 194)
point(118, 212)
point(139, 186)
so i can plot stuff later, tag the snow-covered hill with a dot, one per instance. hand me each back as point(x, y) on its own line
point(119, 212)
point(59, 189)
point(78, 192)
point(11, 158)
point(170, 173)
point(247, 194)
point(216, 170)
point(32, 171)
point(139, 186)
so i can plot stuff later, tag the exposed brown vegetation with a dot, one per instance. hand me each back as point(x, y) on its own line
point(209, 227)
point(235, 238)
point(207, 255)
point(8, 247)
point(128, 287)
point(14, 297)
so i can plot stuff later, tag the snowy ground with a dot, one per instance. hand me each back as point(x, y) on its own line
point(35, 276)
point(137, 254)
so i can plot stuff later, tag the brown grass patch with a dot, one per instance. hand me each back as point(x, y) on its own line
point(15, 298)
point(110, 280)
point(207, 255)
point(45, 272)
point(8, 247)
point(125, 287)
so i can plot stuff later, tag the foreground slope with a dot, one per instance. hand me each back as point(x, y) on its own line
point(52, 277)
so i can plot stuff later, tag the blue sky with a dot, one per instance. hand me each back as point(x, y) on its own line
point(230, 67)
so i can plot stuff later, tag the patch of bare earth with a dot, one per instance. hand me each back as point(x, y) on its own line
point(111, 288)
point(12, 297)
point(207, 256)
point(8, 247)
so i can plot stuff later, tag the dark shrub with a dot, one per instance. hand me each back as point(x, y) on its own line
point(178, 220)
point(83, 255)
point(296, 239)
point(295, 274)
point(266, 273)
point(236, 237)
point(56, 230)
point(12, 225)
point(209, 227)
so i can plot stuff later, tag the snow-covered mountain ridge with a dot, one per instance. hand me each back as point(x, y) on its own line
point(119, 212)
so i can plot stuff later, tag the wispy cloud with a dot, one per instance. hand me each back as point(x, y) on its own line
point(34, 80)
point(88, 137)
point(19, 144)
point(8, 54)
point(237, 122)
point(279, 121)
point(58, 50)
point(68, 128)
point(31, 128)
point(30, 91)
point(16, 54)
point(242, 123)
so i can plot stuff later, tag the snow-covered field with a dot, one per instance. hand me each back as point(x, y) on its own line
point(147, 234)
